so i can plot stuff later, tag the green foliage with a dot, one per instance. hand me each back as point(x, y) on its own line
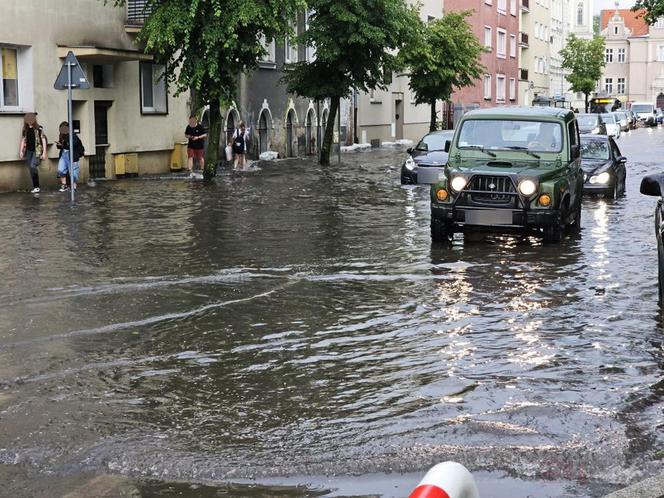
point(585, 60)
point(207, 44)
point(654, 9)
point(357, 44)
point(444, 56)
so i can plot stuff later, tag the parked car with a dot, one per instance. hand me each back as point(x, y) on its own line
point(511, 170)
point(660, 116)
point(591, 123)
point(645, 113)
point(611, 123)
point(603, 165)
point(623, 119)
point(654, 185)
point(427, 159)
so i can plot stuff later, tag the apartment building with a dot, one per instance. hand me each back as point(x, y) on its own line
point(634, 57)
point(128, 118)
point(496, 24)
point(535, 50)
point(560, 28)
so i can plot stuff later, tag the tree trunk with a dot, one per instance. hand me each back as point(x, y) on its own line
point(214, 137)
point(329, 132)
point(432, 123)
point(586, 95)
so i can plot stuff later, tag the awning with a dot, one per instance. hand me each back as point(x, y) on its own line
point(103, 55)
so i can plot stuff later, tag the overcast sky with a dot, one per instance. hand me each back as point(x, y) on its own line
point(611, 4)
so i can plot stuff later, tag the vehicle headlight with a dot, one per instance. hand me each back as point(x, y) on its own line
point(527, 187)
point(410, 164)
point(459, 183)
point(602, 178)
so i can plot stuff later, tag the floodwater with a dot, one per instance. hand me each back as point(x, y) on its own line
point(293, 332)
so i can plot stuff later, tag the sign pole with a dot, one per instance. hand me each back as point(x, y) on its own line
point(70, 119)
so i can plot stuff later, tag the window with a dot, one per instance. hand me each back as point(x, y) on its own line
point(290, 48)
point(621, 55)
point(660, 53)
point(621, 86)
point(270, 57)
point(502, 6)
point(513, 7)
point(310, 52)
point(512, 89)
point(488, 35)
point(579, 14)
point(496, 134)
point(573, 129)
point(512, 45)
point(487, 87)
point(9, 96)
point(153, 88)
point(659, 24)
point(608, 85)
point(102, 75)
point(615, 30)
point(608, 55)
point(500, 88)
point(501, 43)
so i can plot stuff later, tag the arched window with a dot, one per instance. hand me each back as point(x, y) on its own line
point(579, 14)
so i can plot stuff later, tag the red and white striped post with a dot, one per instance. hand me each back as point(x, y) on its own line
point(447, 480)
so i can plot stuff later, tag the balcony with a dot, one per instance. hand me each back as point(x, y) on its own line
point(525, 5)
point(523, 74)
point(523, 39)
point(137, 13)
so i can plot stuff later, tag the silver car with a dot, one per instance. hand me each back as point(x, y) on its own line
point(612, 124)
point(623, 119)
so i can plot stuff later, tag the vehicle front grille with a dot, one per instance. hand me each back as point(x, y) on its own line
point(492, 189)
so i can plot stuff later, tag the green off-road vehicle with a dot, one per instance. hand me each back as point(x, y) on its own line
point(511, 170)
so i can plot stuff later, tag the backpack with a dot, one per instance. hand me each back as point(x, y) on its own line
point(238, 142)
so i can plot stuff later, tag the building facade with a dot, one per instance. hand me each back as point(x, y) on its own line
point(634, 57)
point(560, 30)
point(496, 24)
point(535, 50)
point(127, 121)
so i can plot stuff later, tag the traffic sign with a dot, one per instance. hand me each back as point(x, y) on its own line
point(78, 79)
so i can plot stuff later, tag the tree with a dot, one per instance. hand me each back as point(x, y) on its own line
point(357, 44)
point(207, 44)
point(585, 61)
point(654, 9)
point(444, 56)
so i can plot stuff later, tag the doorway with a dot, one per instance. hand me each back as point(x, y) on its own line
point(310, 137)
point(102, 141)
point(398, 118)
point(290, 152)
point(262, 133)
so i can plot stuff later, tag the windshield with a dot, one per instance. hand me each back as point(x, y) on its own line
point(434, 141)
point(608, 118)
point(587, 120)
point(536, 136)
point(594, 149)
point(642, 108)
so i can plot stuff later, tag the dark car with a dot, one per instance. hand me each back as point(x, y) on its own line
point(427, 160)
point(591, 123)
point(654, 185)
point(603, 166)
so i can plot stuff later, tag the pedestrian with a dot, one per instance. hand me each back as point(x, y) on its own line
point(196, 146)
point(33, 147)
point(68, 160)
point(240, 138)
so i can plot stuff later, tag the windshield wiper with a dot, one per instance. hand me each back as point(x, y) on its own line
point(524, 149)
point(480, 148)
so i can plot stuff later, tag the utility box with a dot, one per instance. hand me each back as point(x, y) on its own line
point(126, 164)
point(179, 156)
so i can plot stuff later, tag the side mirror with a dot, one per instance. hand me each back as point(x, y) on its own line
point(652, 185)
point(576, 151)
point(409, 150)
point(622, 159)
point(447, 145)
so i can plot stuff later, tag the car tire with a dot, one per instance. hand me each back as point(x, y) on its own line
point(441, 231)
point(553, 234)
point(576, 225)
point(613, 195)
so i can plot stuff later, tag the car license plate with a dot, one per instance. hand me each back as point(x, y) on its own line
point(428, 175)
point(489, 217)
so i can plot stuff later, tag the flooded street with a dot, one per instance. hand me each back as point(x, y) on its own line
point(293, 332)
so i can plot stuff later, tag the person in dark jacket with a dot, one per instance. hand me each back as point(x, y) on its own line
point(65, 161)
point(33, 147)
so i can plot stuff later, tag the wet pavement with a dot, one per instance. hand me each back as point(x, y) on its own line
point(292, 332)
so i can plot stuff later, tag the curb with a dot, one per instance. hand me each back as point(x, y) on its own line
point(652, 487)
